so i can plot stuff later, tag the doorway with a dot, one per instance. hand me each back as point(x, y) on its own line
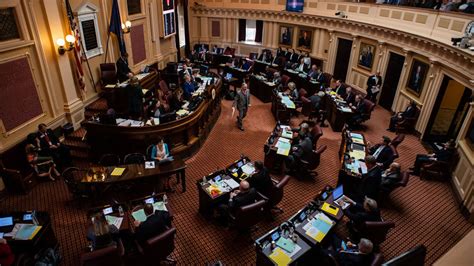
point(392, 77)
point(182, 35)
point(344, 48)
point(449, 111)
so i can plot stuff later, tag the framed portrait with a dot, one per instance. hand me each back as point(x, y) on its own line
point(417, 76)
point(286, 35)
point(366, 56)
point(305, 38)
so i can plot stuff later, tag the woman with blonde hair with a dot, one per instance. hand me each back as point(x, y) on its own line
point(100, 233)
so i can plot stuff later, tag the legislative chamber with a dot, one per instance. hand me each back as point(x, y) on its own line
point(236, 132)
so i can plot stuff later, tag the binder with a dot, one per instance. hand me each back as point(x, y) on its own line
point(330, 209)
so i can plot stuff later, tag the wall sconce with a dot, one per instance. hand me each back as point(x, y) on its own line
point(126, 27)
point(61, 44)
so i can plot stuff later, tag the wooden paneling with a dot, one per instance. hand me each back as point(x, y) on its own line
point(138, 43)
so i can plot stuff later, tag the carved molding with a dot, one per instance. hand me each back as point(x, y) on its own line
point(457, 59)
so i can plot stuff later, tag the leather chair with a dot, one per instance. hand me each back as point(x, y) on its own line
point(134, 158)
point(385, 192)
point(105, 256)
point(284, 80)
point(397, 140)
point(439, 170)
point(253, 56)
point(109, 160)
point(407, 124)
point(308, 167)
point(71, 177)
point(229, 51)
point(316, 132)
point(376, 261)
point(275, 195)
point(306, 106)
point(369, 108)
point(108, 74)
point(376, 231)
point(158, 248)
point(245, 217)
point(327, 79)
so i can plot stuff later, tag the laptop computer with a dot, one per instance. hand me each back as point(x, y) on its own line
point(339, 197)
point(6, 224)
point(228, 76)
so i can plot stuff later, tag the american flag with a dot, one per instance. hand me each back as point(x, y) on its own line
point(77, 47)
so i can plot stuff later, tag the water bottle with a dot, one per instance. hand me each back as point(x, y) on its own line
point(165, 199)
point(120, 210)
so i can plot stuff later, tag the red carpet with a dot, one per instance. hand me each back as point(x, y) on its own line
point(425, 212)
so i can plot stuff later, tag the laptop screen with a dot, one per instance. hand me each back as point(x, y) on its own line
point(228, 76)
point(338, 192)
point(6, 221)
point(150, 200)
point(275, 236)
point(108, 210)
point(240, 163)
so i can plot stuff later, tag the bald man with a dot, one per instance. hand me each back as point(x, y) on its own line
point(243, 196)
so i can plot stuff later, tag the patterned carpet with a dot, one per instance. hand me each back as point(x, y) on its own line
point(425, 212)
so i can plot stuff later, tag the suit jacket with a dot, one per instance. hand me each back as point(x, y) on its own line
point(409, 112)
point(371, 82)
point(304, 149)
point(354, 259)
point(241, 100)
point(262, 182)
point(122, 69)
point(360, 108)
point(385, 157)
point(135, 99)
point(390, 178)
point(371, 183)
point(294, 57)
point(341, 90)
point(349, 98)
point(359, 215)
point(444, 155)
point(188, 89)
point(154, 225)
point(44, 145)
point(243, 198)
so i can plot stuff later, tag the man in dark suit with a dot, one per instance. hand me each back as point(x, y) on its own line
point(445, 154)
point(409, 112)
point(383, 153)
point(51, 146)
point(391, 177)
point(360, 213)
point(135, 99)
point(350, 96)
point(156, 223)
point(301, 67)
point(245, 195)
point(241, 102)
point(188, 88)
point(358, 107)
point(374, 84)
point(302, 151)
point(340, 89)
point(370, 184)
point(261, 179)
point(305, 40)
point(352, 254)
point(123, 70)
point(313, 72)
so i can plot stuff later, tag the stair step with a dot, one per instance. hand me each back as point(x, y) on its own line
point(77, 135)
point(76, 144)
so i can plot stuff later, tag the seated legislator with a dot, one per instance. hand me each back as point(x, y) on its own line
point(188, 88)
point(100, 233)
point(42, 165)
point(315, 73)
point(445, 154)
point(390, 177)
point(359, 109)
point(276, 78)
point(159, 151)
point(302, 151)
point(316, 99)
point(123, 70)
point(302, 132)
point(156, 223)
point(6, 255)
point(349, 254)
point(266, 56)
point(360, 213)
point(301, 67)
point(135, 99)
point(247, 65)
point(340, 89)
point(291, 91)
point(176, 100)
point(382, 152)
point(370, 184)
point(350, 96)
point(409, 112)
point(158, 109)
point(261, 179)
point(51, 146)
point(245, 195)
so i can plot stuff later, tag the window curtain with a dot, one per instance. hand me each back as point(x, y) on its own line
point(259, 31)
point(242, 27)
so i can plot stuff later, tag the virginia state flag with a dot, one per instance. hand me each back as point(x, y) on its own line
point(116, 26)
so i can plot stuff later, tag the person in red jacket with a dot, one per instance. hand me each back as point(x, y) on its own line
point(6, 255)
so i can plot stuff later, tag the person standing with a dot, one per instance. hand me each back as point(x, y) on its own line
point(123, 70)
point(374, 84)
point(242, 102)
point(135, 99)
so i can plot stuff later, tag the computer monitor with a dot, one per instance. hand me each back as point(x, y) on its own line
point(338, 192)
point(275, 235)
point(240, 163)
point(204, 70)
point(6, 221)
point(228, 76)
point(150, 200)
point(108, 210)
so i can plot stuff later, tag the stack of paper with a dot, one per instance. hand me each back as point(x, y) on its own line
point(26, 231)
point(248, 169)
point(357, 155)
point(346, 109)
point(288, 102)
point(328, 208)
point(318, 227)
point(112, 220)
point(280, 257)
point(231, 183)
point(283, 146)
point(118, 171)
point(182, 112)
point(287, 133)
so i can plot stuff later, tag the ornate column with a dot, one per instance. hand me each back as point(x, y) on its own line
point(329, 66)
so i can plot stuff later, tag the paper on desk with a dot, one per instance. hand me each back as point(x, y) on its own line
point(286, 244)
point(358, 141)
point(113, 220)
point(139, 215)
point(231, 183)
point(248, 169)
point(357, 155)
point(356, 135)
point(141, 76)
point(125, 123)
point(150, 165)
point(26, 231)
point(280, 257)
point(182, 112)
point(110, 86)
point(284, 140)
point(346, 110)
point(315, 234)
point(118, 171)
point(283, 152)
point(159, 206)
point(287, 134)
point(363, 167)
point(324, 217)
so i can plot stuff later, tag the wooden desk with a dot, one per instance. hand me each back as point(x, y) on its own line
point(351, 180)
point(133, 172)
point(301, 80)
point(260, 66)
point(184, 136)
point(262, 89)
point(264, 250)
point(272, 160)
point(336, 117)
point(237, 73)
point(279, 110)
point(45, 238)
point(125, 226)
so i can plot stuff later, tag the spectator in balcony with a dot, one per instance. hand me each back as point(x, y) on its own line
point(467, 7)
point(447, 5)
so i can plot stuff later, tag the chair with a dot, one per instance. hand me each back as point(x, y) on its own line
point(306, 106)
point(158, 248)
point(316, 133)
point(407, 124)
point(253, 56)
point(307, 167)
point(105, 256)
point(397, 140)
point(439, 170)
point(245, 217)
point(108, 74)
point(71, 177)
point(376, 261)
point(284, 80)
point(369, 108)
point(134, 158)
point(148, 151)
point(376, 231)
point(109, 160)
point(275, 195)
point(385, 192)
